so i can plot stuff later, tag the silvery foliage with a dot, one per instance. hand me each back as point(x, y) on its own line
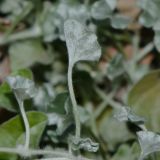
point(149, 142)
point(53, 26)
point(150, 17)
point(81, 43)
point(22, 87)
point(126, 114)
point(104, 9)
point(84, 144)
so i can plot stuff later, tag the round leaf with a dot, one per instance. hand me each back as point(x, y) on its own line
point(144, 98)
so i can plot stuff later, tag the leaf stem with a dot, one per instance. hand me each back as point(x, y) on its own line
point(29, 152)
point(26, 34)
point(26, 124)
point(74, 103)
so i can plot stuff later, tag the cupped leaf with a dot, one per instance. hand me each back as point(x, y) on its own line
point(81, 43)
point(144, 98)
point(149, 142)
point(12, 132)
point(22, 87)
point(83, 143)
point(7, 99)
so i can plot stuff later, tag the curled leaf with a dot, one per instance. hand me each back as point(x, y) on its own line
point(81, 43)
point(84, 143)
point(22, 87)
point(149, 142)
point(126, 114)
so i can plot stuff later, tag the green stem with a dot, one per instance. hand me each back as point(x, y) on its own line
point(74, 103)
point(26, 124)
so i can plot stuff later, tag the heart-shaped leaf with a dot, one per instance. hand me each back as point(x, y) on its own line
point(81, 43)
point(12, 132)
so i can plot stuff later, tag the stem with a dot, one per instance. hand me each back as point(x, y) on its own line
point(145, 51)
point(26, 124)
point(19, 17)
point(30, 33)
point(29, 152)
point(74, 103)
point(107, 99)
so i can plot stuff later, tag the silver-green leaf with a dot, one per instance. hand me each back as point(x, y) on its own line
point(149, 142)
point(120, 21)
point(84, 143)
point(101, 10)
point(126, 114)
point(81, 43)
point(22, 87)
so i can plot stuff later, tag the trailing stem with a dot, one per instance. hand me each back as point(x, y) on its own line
point(74, 103)
point(26, 124)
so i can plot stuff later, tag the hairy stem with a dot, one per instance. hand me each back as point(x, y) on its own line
point(74, 103)
point(30, 152)
point(26, 124)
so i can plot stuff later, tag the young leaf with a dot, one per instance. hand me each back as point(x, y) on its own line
point(81, 43)
point(22, 87)
point(12, 133)
point(126, 114)
point(84, 143)
point(149, 142)
point(7, 99)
